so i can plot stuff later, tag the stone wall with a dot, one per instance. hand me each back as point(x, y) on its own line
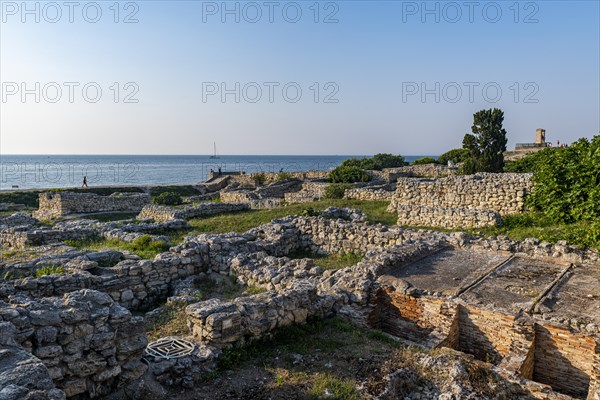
point(219, 323)
point(413, 171)
point(276, 190)
point(134, 284)
point(382, 193)
point(310, 191)
point(459, 201)
point(163, 213)
point(22, 375)
point(446, 217)
point(84, 230)
point(53, 205)
point(270, 177)
point(503, 193)
point(17, 219)
point(86, 341)
point(17, 238)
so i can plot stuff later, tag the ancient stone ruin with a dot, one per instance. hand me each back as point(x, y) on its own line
point(515, 305)
point(58, 204)
point(470, 201)
point(530, 309)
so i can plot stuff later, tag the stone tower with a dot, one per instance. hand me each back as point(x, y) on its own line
point(540, 136)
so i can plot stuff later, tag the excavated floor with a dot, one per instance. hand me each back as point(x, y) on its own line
point(576, 296)
point(515, 285)
point(449, 270)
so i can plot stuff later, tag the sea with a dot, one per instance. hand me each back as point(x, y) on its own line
point(63, 171)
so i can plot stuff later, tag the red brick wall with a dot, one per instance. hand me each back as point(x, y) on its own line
point(563, 359)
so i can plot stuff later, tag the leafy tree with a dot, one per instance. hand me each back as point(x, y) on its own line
point(424, 160)
point(456, 155)
point(487, 143)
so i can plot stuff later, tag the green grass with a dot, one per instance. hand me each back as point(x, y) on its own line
point(537, 225)
point(328, 386)
point(330, 261)
point(30, 199)
point(142, 246)
point(242, 221)
point(182, 190)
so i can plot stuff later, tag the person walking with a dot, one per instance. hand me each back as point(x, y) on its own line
point(84, 182)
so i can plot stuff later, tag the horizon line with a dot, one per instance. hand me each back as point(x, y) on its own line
point(210, 155)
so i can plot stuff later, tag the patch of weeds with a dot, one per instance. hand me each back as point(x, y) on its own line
point(342, 326)
point(49, 270)
point(251, 290)
point(224, 289)
point(169, 321)
point(309, 212)
point(328, 386)
point(381, 337)
point(143, 246)
point(284, 176)
point(8, 276)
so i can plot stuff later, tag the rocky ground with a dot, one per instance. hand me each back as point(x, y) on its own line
point(334, 359)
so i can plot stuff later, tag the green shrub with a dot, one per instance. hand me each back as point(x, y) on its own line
point(336, 190)
point(456, 155)
point(284, 176)
point(424, 160)
point(567, 182)
point(377, 162)
point(168, 199)
point(145, 244)
point(182, 190)
point(49, 270)
point(529, 162)
point(309, 212)
point(362, 163)
point(386, 160)
point(348, 174)
point(259, 179)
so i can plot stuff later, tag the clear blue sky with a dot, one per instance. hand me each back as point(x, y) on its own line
point(375, 57)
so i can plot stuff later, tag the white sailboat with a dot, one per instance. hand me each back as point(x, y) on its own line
point(214, 156)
